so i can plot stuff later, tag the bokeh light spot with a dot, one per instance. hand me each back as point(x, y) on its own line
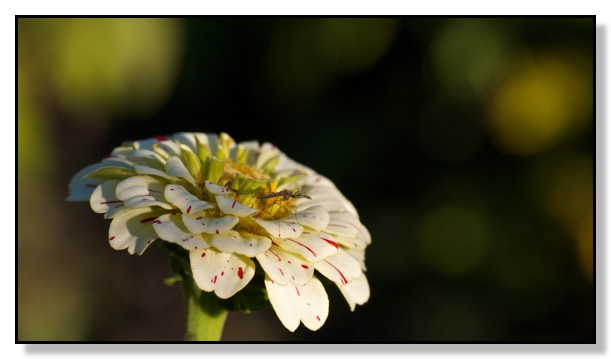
point(542, 103)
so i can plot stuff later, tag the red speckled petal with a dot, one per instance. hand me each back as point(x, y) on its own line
point(223, 273)
point(312, 246)
point(308, 303)
point(284, 267)
point(247, 244)
point(356, 292)
point(169, 227)
point(340, 268)
point(184, 200)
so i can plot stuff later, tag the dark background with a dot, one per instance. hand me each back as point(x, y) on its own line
point(465, 144)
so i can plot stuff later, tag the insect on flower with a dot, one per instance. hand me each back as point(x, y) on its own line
point(285, 194)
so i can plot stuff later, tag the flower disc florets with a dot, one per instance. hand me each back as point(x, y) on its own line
point(228, 204)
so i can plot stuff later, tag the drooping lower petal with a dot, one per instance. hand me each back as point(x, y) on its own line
point(356, 292)
point(308, 303)
point(223, 273)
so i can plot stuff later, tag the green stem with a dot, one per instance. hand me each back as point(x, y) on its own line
point(204, 316)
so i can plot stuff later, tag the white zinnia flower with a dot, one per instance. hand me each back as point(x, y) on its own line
point(228, 204)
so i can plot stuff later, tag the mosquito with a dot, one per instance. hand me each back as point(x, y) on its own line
point(285, 194)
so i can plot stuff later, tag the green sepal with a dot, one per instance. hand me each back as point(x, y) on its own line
point(191, 162)
point(224, 146)
point(214, 169)
point(270, 165)
point(252, 298)
point(203, 152)
point(111, 173)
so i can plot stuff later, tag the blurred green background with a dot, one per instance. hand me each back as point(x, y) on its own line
point(465, 144)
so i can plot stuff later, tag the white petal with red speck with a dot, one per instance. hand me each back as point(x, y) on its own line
point(213, 225)
point(312, 246)
point(216, 189)
point(145, 201)
point(356, 292)
point(284, 228)
point(341, 268)
point(133, 230)
point(104, 198)
point(232, 242)
point(184, 200)
point(169, 227)
point(308, 304)
point(233, 207)
point(315, 217)
point(223, 273)
point(285, 267)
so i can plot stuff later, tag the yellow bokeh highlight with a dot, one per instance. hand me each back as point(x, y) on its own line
point(544, 101)
point(103, 64)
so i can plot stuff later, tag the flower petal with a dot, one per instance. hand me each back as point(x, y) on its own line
point(312, 246)
point(133, 230)
point(200, 224)
point(284, 267)
point(144, 170)
point(327, 197)
point(343, 224)
point(308, 304)
point(249, 245)
point(341, 268)
point(316, 217)
point(356, 292)
point(175, 167)
point(145, 201)
point(223, 273)
point(104, 200)
point(281, 228)
point(363, 235)
point(184, 200)
point(138, 186)
point(233, 207)
point(216, 189)
point(79, 188)
point(358, 255)
point(169, 227)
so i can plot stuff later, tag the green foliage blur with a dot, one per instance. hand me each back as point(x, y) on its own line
point(465, 144)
